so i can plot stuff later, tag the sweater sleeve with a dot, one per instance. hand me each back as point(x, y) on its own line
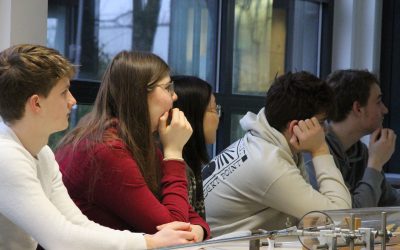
point(292, 195)
point(368, 190)
point(24, 202)
point(123, 191)
point(390, 195)
point(196, 219)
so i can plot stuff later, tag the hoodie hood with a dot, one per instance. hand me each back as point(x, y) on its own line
point(353, 154)
point(256, 125)
point(352, 162)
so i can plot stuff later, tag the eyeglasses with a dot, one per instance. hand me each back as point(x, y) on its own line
point(168, 87)
point(217, 110)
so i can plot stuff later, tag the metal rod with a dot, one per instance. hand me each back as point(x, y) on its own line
point(384, 232)
point(352, 224)
point(255, 244)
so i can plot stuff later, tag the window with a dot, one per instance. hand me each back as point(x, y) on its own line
point(90, 33)
point(264, 38)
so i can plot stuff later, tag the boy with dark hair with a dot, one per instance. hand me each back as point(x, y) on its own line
point(34, 205)
point(260, 180)
point(359, 112)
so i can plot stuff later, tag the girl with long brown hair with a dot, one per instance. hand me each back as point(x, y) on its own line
point(110, 162)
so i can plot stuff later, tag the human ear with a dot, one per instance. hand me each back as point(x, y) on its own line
point(33, 103)
point(291, 125)
point(356, 108)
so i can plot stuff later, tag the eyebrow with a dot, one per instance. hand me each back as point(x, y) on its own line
point(167, 83)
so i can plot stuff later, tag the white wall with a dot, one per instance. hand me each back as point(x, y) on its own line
point(23, 21)
point(357, 34)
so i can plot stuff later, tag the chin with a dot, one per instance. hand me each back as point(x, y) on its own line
point(64, 127)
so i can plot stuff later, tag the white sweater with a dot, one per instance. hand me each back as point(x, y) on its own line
point(35, 206)
point(258, 183)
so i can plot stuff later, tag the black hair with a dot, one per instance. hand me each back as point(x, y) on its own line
point(296, 96)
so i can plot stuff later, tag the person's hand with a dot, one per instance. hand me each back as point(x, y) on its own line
point(196, 229)
point(174, 136)
point(174, 233)
point(381, 147)
point(309, 136)
point(199, 231)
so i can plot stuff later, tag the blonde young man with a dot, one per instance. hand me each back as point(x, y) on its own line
point(35, 102)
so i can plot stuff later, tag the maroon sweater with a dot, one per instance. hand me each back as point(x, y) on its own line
point(120, 197)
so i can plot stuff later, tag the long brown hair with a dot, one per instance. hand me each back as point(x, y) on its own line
point(123, 95)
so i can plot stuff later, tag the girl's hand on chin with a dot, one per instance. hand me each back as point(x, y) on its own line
point(174, 135)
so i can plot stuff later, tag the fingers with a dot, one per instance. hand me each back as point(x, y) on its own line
point(308, 124)
point(176, 225)
point(163, 121)
point(383, 134)
point(297, 130)
point(375, 135)
point(381, 147)
point(175, 114)
point(199, 232)
point(169, 237)
point(160, 227)
point(175, 135)
point(392, 135)
point(388, 135)
point(187, 236)
point(179, 118)
point(308, 135)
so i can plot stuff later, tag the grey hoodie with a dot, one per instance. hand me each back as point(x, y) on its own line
point(257, 182)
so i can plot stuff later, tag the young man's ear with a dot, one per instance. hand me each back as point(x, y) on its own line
point(288, 132)
point(33, 103)
point(356, 108)
point(291, 125)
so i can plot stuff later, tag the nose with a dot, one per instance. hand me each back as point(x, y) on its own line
point(174, 97)
point(385, 109)
point(72, 100)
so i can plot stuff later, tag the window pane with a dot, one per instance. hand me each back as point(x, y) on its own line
point(258, 54)
point(272, 37)
point(90, 33)
point(236, 130)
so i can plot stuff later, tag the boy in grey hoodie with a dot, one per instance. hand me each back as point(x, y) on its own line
point(259, 181)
